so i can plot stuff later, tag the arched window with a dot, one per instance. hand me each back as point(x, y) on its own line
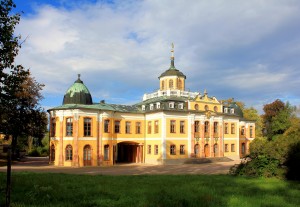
point(163, 85)
point(196, 106)
point(206, 150)
point(171, 85)
point(196, 149)
point(52, 153)
point(69, 153)
point(87, 155)
point(179, 84)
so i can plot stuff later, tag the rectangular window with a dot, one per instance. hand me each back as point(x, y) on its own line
point(149, 127)
point(182, 151)
point(215, 127)
point(87, 131)
point(156, 149)
point(172, 126)
point(197, 127)
point(156, 127)
point(69, 127)
point(106, 152)
point(172, 149)
point(53, 127)
point(226, 148)
point(149, 149)
point(106, 126)
point(128, 126)
point(206, 127)
point(117, 126)
point(232, 148)
point(138, 127)
point(151, 106)
point(182, 127)
point(251, 131)
point(226, 128)
point(243, 130)
point(232, 129)
point(69, 153)
point(158, 105)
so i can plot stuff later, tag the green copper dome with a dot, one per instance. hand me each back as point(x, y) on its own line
point(78, 93)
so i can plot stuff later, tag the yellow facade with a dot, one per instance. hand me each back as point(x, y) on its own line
point(170, 125)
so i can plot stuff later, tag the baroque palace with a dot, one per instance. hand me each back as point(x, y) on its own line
point(170, 125)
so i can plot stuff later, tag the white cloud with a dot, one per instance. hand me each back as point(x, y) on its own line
point(127, 45)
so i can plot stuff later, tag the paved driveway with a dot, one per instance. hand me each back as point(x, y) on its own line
point(40, 165)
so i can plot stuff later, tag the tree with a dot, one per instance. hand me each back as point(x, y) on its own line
point(279, 154)
point(276, 118)
point(20, 112)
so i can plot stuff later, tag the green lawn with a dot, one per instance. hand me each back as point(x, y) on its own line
point(40, 189)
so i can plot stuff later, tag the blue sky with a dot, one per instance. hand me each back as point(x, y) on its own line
point(248, 50)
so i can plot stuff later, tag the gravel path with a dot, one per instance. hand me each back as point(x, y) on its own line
point(41, 165)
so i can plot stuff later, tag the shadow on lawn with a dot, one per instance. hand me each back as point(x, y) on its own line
point(34, 189)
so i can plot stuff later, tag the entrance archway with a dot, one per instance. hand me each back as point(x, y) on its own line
point(87, 155)
point(52, 153)
point(206, 150)
point(129, 152)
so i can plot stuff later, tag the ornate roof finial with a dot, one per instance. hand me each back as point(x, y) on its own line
point(172, 57)
point(172, 51)
point(205, 92)
point(78, 79)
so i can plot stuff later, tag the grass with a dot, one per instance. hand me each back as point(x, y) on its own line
point(42, 189)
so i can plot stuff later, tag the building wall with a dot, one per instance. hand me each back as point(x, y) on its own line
point(163, 140)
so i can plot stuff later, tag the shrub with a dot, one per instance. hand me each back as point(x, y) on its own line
point(292, 162)
point(34, 153)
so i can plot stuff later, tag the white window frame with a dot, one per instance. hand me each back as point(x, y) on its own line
point(143, 107)
point(180, 106)
point(171, 105)
point(158, 105)
point(151, 107)
point(225, 110)
point(232, 111)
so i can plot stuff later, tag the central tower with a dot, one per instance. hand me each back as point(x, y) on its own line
point(172, 79)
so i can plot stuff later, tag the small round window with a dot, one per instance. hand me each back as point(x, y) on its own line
point(216, 109)
point(196, 106)
point(206, 108)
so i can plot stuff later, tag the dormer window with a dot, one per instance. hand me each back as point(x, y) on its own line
point(151, 106)
point(180, 106)
point(171, 105)
point(158, 105)
point(143, 107)
point(225, 110)
point(232, 111)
